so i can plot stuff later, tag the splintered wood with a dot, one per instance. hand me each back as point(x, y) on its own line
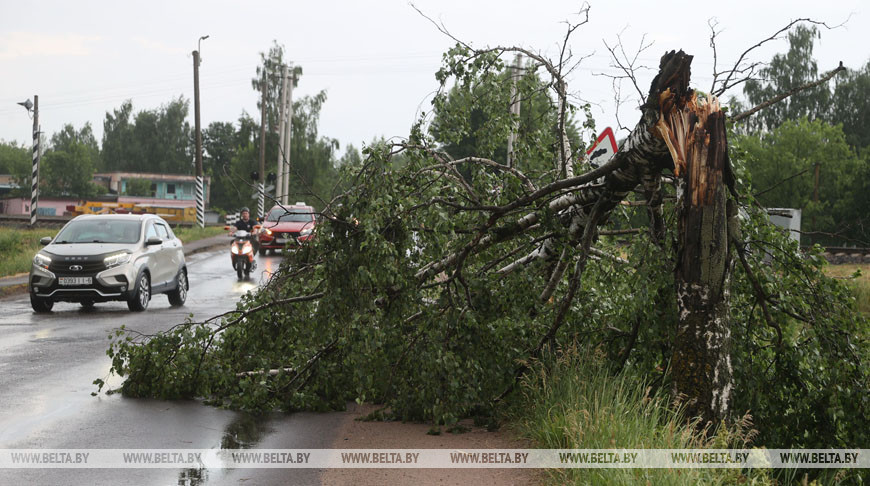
point(688, 127)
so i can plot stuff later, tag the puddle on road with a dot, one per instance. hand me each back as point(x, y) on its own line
point(193, 477)
point(55, 405)
point(245, 431)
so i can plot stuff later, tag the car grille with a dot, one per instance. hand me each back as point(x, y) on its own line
point(88, 267)
point(287, 235)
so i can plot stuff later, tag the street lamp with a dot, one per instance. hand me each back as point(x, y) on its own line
point(198, 45)
point(28, 105)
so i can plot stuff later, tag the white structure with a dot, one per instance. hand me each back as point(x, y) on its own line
point(787, 218)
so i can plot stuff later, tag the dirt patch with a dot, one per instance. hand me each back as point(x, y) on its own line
point(355, 434)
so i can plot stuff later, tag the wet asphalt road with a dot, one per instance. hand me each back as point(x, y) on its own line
point(48, 363)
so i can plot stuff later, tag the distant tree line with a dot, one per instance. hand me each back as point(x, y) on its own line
point(812, 150)
point(162, 141)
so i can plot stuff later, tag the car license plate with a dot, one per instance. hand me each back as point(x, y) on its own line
point(75, 280)
point(281, 241)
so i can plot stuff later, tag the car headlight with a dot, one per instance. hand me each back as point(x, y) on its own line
point(116, 259)
point(306, 232)
point(267, 231)
point(41, 261)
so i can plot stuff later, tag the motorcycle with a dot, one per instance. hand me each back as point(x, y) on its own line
point(242, 254)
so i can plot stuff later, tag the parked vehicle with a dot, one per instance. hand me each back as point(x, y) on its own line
point(101, 258)
point(287, 227)
point(242, 254)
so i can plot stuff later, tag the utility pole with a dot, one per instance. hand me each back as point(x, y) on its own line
point(200, 200)
point(816, 194)
point(515, 111)
point(34, 180)
point(288, 127)
point(279, 182)
point(260, 189)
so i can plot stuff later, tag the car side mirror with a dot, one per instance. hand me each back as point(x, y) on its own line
point(45, 240)
point(153, 241)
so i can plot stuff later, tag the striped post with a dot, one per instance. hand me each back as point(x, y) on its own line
point(34, 179)
point(261, 199)
point(200, 203)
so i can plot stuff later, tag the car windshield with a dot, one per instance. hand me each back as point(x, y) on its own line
point(100, 231)
point(291, 215)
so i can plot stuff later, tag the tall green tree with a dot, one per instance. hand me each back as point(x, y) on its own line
point(68, 172)
point(221, 143)
point(157, 140)
point(787, 71)
point(69, 136)
point(271, 69)
point(69, 164)
point(16, 161)
point(473, 118)
point(312, 159)
point(119, 151)
point(312, 156)
point(782, 166)
point(850, 105)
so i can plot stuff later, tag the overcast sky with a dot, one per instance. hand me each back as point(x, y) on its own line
point(376, 60)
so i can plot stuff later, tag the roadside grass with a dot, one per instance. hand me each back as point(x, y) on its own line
point(574, 402)
point(860, 284)
point(192, 233)
point(17, 247)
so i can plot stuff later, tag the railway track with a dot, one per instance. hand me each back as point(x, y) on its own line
point(838, 255)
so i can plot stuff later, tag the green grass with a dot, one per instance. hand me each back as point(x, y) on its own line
point(17, 247)
point(192, 233)
point(860, 284)
point(575, 403)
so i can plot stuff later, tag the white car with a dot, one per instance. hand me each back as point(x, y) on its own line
point(100, 258)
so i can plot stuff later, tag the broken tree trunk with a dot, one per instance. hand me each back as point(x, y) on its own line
point(693, 127)
point(677, 131)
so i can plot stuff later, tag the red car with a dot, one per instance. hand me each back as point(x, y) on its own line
point(287, 227)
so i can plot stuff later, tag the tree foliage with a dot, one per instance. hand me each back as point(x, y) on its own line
point(824, 125)
point(158, 141)
point(782, 165)
point(67, 168)
point(139, 187)
point(783, 73)
point(473, 117)
point(16, 161)
point(851, 105)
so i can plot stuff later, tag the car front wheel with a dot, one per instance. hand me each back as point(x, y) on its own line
point(138, 302)
point(40, 305)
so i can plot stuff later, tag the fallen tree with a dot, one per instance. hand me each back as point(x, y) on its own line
point(433, 282)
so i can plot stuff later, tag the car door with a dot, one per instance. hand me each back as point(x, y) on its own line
point(157, 256)
point(173, 248)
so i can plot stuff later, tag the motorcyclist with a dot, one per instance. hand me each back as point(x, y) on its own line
point(245, 223)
